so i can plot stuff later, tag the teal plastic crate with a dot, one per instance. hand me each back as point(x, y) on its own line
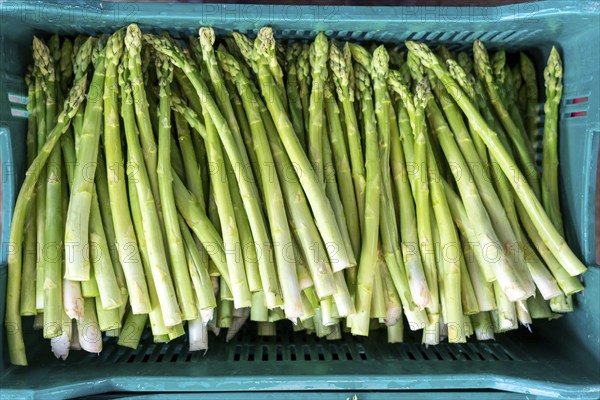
point(559, 359)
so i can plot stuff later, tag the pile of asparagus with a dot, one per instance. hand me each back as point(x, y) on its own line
point(202, 183)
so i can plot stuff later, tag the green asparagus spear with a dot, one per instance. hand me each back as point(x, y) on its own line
point(40, 191)
point(133, 44)
point(77, 220)
point(413, 141)
point(248, 188)
point(549, 234)
point(181, 277)
point(150, 225)
point(553, 81)
point(157, 323)
point(28, 276)
point(518, 139)
point(406, 213)
point(531, 90)
point(272, 190)
point(318, 62)
point(342, 169)
point(125, 240)
point(494, 207)
point(369, 252)
point(341, 67)
point(299, 212)
point(203, 287)
point(292, 87)
point(13, 319)
point(304, 85)
point(54, 219)
point(315, 191)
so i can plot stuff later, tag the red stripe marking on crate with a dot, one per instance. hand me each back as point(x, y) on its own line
point(578, 114)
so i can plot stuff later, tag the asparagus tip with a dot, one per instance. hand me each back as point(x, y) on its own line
point(380, 62)
point(422, 93)
point(42, 59)
point(133, 38)
point(206, 36)
point(83, 57)
point(553, 72)
point(114, 46)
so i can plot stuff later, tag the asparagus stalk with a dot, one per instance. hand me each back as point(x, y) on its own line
point(518, 139)
point(299, 213)
point(507, 313)
point(369, 252)
point(342, 169)
point(182, 281)
point(132, 330)
point(40, 191)
point(249, 251)
point(503, 80)
point(108, 289)
point(315, 191)
point(247, 188)
point(13, 320)
point(416, 147)
point(81, 63)
point(90, 336)
point(240, 115)
point(331, 189)
point(292, 87)
point(531, 90)
point(108, 320)
point(125, 240)
point(150, 225)
point(413, 141)
point(274, 200)
point(543, 224)
point(202, 286)
point(65, 67)
point(77, 220)
point(28, 277)
point(508, 234)
point(72, 290)
point(340, 63)
point(484, 291)
point(378, 67)
point(61, 345)
point(133, 44)
point(567, 283)
point(467, 291)
point(467, 84)
point(207, 39)
point(553, 82)
point(539, 273)
point(379, 302)
point(394, 304)
point(222, 195)
point(452, 290)
point(318, 64)
point(305, 83)
point(406, 213)
point(109, 229)
point(157, 323)
point(201, 225)
point(341, 295)
point(53, 225)
point(504, 270)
